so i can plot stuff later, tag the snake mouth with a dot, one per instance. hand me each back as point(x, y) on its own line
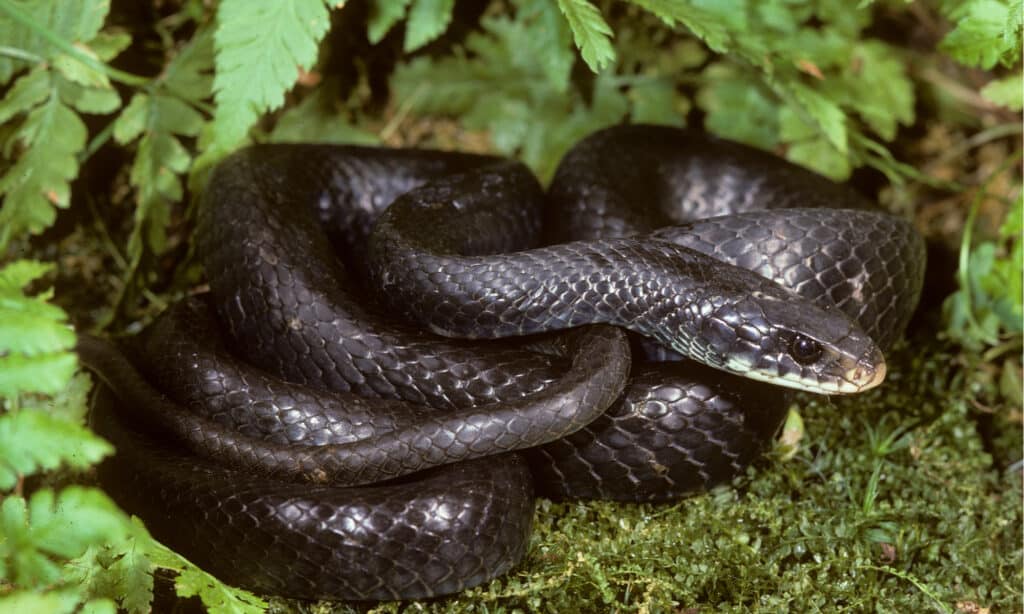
point(868, 373)
point(864, 374)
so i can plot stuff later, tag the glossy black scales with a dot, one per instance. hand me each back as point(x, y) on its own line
point(306, 370)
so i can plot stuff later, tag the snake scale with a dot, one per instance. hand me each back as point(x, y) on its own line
point(342, 415)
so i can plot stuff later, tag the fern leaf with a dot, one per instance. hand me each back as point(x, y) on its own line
point(590, 31)
point(46, 373)
point(384, 14)
point(133, 573)
point(28, 602)
point(39, 181)
point(160, 160)
point(1006, 92)
point(75, 26)
point(159, 118)
point(738, 107)
point(20, 273)
point(311, 121)
point(260, 47)
point(87, 99)
point(31, 441)
point(120, 571)
point(428, 19)
point(50, 526)
point(879, 91)
point(34, 338)
point(28, 91)
point(551, 40)
point(99, 606)
point(825, 113)
point(218, 597)
point(706, 24)
point(189, 75)
point(981, 25)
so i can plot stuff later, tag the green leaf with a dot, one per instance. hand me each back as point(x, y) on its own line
point(737, 107)
point(160, 158)
point(189, 74)
point(656, 101)
point(49, 526)
point(70, 403)
point(499, 83)
point(1006, 92)
point(134, 574)
point(33, 441)
point(174, 116)
point(76, 71)
point(981, 25)
point(877, 88)
point(39, 181)
point(1012, 29)
point(28, 91)
point(988, 304)
point(20, 273)
point(46, 373)
point(132, 120)
point(108, 45)
point(87, 99)
point(34, 338)
point(819, 155)
point(384, 14)
point(79, 25)
point(705, 21)
point(428, 19)
point(120, 571)
point(808, 147)
point(551, 40)
point(99, 606)
point(825, 113)
point(259, 50)
point(159, 161)
point(590, 31)
point(311, 121)
point(30, 602)
point(216, 596)
point(29, 326)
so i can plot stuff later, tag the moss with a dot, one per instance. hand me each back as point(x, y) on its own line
point(891, 503)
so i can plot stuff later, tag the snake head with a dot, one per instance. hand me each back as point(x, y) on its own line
point(775, 336)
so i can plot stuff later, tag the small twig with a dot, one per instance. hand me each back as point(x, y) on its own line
point(985, 136)
point(105, 237)
point(963, 94)
point(403, 111)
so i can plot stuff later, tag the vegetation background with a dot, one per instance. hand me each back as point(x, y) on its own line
point(905, 499)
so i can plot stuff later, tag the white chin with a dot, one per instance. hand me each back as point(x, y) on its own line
point(790, 380)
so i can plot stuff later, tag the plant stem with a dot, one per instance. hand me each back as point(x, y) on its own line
point(20, 54)
point(96, 142)
point(963, 277)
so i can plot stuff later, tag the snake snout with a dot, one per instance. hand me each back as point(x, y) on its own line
point(869, 371)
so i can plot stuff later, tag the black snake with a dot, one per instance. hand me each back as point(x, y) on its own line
point(265, 471)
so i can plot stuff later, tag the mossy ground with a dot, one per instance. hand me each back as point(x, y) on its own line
point(894, 501)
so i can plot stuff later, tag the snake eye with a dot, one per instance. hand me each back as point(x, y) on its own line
point(805, 350)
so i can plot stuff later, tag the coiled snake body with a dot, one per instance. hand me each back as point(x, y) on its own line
point(267, 471)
